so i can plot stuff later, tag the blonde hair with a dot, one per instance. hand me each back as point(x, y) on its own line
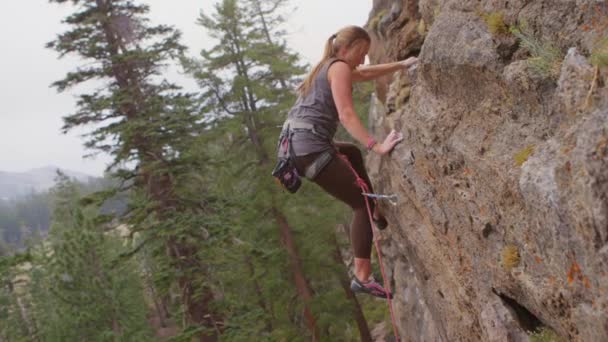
point(345, 37)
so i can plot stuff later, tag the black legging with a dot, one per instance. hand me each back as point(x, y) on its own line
point(338, 180)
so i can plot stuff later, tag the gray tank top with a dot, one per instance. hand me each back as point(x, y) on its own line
point(318, 108)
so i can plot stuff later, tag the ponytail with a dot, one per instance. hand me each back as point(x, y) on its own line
point(345, 37)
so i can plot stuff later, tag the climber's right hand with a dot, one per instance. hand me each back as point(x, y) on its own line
point(392, 139)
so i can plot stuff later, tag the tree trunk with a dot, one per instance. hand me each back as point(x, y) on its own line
point(196, 299)
point(159, 187)
point(301, 283)
point(364, 332)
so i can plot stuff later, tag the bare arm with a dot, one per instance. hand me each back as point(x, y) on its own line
point(340, 79)
point(371, 72)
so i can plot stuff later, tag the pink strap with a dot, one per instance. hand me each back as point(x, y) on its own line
point(371, 143)
point(387, 286)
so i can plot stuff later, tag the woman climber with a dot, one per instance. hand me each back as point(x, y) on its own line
point(325, 98)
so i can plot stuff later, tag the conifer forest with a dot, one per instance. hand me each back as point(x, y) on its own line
point(187, 237)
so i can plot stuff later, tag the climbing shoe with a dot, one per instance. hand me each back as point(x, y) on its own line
point(371, 287)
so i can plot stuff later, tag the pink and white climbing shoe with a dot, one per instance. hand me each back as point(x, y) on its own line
point(371, 287)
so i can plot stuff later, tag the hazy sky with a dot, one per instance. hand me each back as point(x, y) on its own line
point(31, 112)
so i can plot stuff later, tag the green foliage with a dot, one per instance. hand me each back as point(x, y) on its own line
point(495, 22)
point(545, 59)
point(92, 297)
point(373, 23)
point(15, 321)
point(203, 212)
point(599, 55)
point(69, 287)
point(436, 11)
point(402, 97)
point(510, 257)
point(421, 27)
point(24, 220)
point(148, 125)
point(522, 156)
point(136, 54)
point(545, 334)
point(376, 311)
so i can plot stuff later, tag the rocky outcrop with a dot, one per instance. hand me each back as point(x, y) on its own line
point(502, 222)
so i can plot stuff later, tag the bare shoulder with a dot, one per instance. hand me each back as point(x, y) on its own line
point(339, 70)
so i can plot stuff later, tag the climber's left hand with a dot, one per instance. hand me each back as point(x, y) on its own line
point(407, 63)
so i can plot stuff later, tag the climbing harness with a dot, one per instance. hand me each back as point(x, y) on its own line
point(361, 183)
point(285, 171)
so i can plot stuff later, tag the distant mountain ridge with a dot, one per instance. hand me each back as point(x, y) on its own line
point(18, 184)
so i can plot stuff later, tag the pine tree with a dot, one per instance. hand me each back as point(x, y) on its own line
point(247, 83)
point(145, 122)
point(76, 290)
point(16, 321)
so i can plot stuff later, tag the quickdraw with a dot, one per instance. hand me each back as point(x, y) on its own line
point(392, 199)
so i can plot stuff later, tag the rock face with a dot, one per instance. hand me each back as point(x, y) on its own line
point(502, 222)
